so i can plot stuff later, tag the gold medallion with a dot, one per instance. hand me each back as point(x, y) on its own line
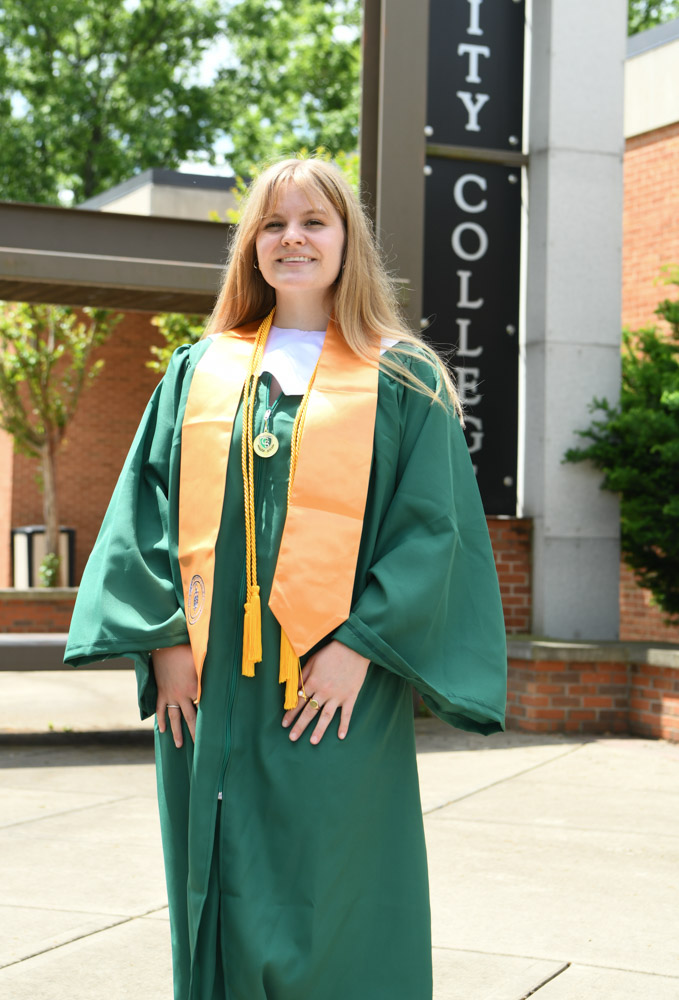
point(265, 444)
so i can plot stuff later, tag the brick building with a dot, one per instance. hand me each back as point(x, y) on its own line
point(650, 232)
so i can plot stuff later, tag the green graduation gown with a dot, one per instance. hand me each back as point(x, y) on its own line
point(294, 871)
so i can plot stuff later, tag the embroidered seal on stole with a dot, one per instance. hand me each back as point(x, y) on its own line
point(196, 601)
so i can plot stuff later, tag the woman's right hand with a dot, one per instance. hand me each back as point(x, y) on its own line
point(177, 684)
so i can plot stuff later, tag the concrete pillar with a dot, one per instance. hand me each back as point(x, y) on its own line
point(573, 293)
point(392, 135)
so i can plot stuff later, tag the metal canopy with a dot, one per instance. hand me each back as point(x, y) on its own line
point(88, 258)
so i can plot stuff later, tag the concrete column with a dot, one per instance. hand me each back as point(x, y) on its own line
point(573, 293)
point(395, 105)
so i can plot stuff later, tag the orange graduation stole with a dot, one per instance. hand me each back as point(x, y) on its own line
point(314, 578)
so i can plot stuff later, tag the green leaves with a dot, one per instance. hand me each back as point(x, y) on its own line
point(45, 363)
point(95, 92)
point(636, 446)
point(293, 78)
point(644, 14)
point(176, 329)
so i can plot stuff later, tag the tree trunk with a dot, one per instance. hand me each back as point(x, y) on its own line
point(49, 496)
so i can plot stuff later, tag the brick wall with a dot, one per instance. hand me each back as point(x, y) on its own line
point(640, 619)
point(556, 696)
point(654, 701)
point(36, 610)
point(511, 541)
point(582, 688)
point(650, 221)
point(97, 440)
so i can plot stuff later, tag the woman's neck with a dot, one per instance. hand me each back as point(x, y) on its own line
point(297, 313)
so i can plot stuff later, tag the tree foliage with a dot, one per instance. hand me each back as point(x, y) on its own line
point(644, 14)
point(175, 329)
point(293, 79)
point(92, 91)
point(45, 364)
point(636, 446)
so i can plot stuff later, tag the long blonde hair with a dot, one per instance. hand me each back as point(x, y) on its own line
point(365, 304)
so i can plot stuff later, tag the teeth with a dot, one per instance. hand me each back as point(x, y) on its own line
point(296, 258)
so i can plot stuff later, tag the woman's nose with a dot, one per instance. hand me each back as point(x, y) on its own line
point(293, 233)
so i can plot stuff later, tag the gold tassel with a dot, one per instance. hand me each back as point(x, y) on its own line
point(289, 672)
point(252, 633)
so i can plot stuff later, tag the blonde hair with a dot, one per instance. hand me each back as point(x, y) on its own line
point(365, 304)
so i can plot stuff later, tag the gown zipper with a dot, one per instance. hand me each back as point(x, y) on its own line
point(236, 672)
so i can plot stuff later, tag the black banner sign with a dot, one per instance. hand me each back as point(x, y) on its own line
point(471, 297)
point(475, 73)
point(473, 225)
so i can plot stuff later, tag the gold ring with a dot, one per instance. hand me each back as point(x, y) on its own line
point(314, 704)
point(300, 694)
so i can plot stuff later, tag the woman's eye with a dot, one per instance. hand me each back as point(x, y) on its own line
point(272, 225)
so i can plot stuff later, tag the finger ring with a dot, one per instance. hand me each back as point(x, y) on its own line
point(172, 706)
point(301, 694)
point(314, 704)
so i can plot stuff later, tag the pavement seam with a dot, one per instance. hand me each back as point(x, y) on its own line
point(502, 781)
point(544, 958)
point(548, 979)
point(81, 937)
point(66, 812)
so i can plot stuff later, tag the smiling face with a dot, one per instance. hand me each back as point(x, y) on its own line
point(300, 245)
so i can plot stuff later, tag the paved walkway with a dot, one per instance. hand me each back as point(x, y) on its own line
point(554, 861)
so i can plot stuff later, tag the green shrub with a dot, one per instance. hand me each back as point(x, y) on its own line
point(636, 446)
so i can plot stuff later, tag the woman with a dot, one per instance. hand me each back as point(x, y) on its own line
point(298, 506)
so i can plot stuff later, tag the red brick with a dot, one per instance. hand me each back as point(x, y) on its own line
point(534, 700)
point(550, 688)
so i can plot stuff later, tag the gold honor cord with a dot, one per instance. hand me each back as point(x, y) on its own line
point(290, 672)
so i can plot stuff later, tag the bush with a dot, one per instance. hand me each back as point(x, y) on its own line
point(636, 446)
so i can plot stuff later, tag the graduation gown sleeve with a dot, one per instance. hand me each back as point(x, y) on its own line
point(130, 597)
point(427, 602)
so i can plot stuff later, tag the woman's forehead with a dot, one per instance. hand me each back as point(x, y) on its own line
point(306, 190)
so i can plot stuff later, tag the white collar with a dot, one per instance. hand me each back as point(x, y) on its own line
point(291, 356)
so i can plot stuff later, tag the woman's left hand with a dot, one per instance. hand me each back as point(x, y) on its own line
point(332, 677)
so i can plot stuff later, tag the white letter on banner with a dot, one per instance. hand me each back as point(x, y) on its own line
point(465, 380)
point(456, 240)
point(473, 51)
point(474, 28)
point(464, 350)
point(476, 443)
point(473, 104)
point(458, 193)
point(464, 301)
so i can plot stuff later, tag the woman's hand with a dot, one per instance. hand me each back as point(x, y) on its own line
point(177, 682)
point(332, 677)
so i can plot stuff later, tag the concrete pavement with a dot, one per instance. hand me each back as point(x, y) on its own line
point(553, 860)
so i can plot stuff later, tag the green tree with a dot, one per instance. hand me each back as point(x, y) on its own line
point(644, 14)
point(45, 364)
point(293, 78)
point(92, 91)
point(175, 329)
point(636, 446)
